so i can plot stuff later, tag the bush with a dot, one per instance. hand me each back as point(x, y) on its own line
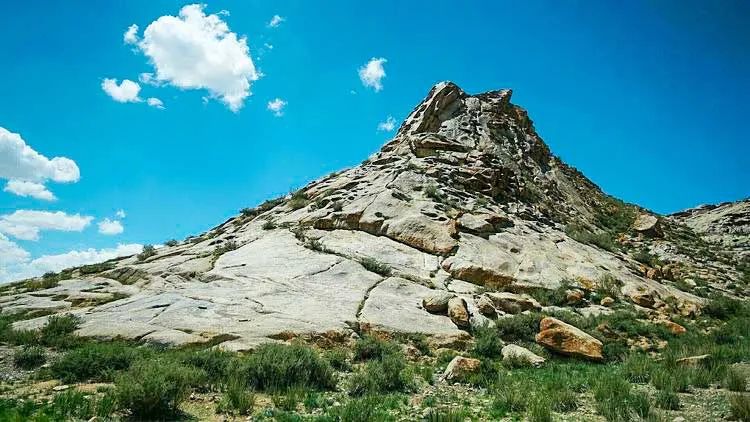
point(638, 368)
point(381, 376)
point(645, 257)
point(71, 405)
point(518, 327)
point(735, 380)
point(216, 363)
point(615, 400)
point(609, 286)
point(361, 410)
point(298, 200)
point(153, 389)
point(668, 400)
point(29, 357)
point(237, 398)
point(268, 225)
point(57, 332)
point(277, 366)
point(338, 358)
point(226, 247)
point(487, 342)
point(147, 252)
point(540, 410)
point(94, 362)
point(509, 398)
point(740, 407)
point(723, 307)
point(372, 264)
point(369, 347)
point(172, 242)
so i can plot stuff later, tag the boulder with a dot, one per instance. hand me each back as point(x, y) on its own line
point(648, 225)
point(693, 360)
point(607, 301)
point(475, 224)
point(460, 368)
point(574, 296)
point(458, 313)
point(674, 327)
point(486, 307)
point(437, 304)
point(640, 298)
point(513, 351)
point(568, 340)
point(513, 303)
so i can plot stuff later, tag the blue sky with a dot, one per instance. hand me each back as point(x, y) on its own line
point(646, 98)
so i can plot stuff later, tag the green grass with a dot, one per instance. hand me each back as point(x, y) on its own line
point(369, 347)
point(236, 398)
point(668, 400)
point(487, 342)
point(94, 361)
point(386, 375)
point(29, 357)
point(279, 367)
point(735, 380)
point(739, 405)
point(616, 401)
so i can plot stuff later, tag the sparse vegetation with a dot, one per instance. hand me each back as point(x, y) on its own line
point(299, 199)
point(280, 367)
point(225, 247)
point(29, 357)
point(268, 225)
point(147, 252)
point(172, 242)
point(372, 264)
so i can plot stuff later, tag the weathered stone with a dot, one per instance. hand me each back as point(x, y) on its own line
point(648, 225)
point(460, 368)
point(574, 296)
point(641, 298)
point(438, 303)
point(568, 340)
point(693, 360)
point(475, 224)
point(607, 301)
point(458, 313)
point(513, 303)
point(674, 327)
point(515, 352)
point(486, 307)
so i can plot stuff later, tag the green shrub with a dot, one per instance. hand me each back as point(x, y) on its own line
point(723, 307)
point(94, 362)
point(172, 242)
point(147, 252)
point(106, 405)
point(338, 358)
point(603, 240)
point(216, 363)
point(507, 399)
point(609, 286)
point(518, 327)
point(298, 200)
point(540, 410)
point(372, 264)
point(268, 225)
point(615, 400)
point(487, 342)
point(58, 330)
point(740, 406)
point(153, 389)
point(637, 368)
point(71, 405)
point(289, 399)
point(29, 357)
point(645, 257)
point(370, 347)
point(668, 400)
point(365, 409)
point(237, 398)
point(277, 366)
point(735, 380)
point(381, 376)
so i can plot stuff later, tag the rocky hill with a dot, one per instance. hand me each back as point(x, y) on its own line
point(464, 201)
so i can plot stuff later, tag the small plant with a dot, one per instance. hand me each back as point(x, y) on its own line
point(338, 358)
point(735, 380)
point(385, 375)
point(57, 332)
point(248, 212)
point(609, 286)
point(615, 400)
point(172, 242)
point(723, 307)
point(337, 206)
point(147, 252)
point(268, 225)
point(432, 192)
point(540, 410)
point(226, 247)
point(518, 327)
point(279, 366)
point(668, 400)
point(740, 406)
point(94, 362)
point(237, 398)
point(645, 257)
point(487, 342)
point(508, 398)
point(298, 200)
point(29, 357)
point(369, 347)
point(638, 368)
point(372, 264)
point(361, 410)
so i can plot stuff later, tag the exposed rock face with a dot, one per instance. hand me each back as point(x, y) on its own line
point(568, 340)
point(460, 368)
point(465, 198)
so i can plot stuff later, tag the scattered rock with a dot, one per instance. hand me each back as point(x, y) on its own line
point(437, 304)
point(648, 225)
point(640, 298)
point(513, 351)
point(674, 327)
point(486, 307)
point(568, 340)
point(607, 301)
point(460, 368)
point(458, 313)
point(693, 360)
point(513, 303)
point(574, 297)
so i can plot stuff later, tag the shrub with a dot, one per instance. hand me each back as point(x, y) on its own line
point(226, 247)
point(237, 398)
point(509, 398)
point(338, 358)
point(29, 357)
point(740, 407)
point(603, 240)
point(153, 389)
point(57, 331)
point(289, 399)
point(298, 200)
point(735, 380)
point(361, 410)
point(487, 342)
point(216, 363)
point(268, 225)
point(668, 400)
point(518, 327)
point(106, 405)
point(338, 206)
point(381, 376)
point(71, 405)
point(369, 347)
point(372, 264)
point(147, 252)
point(540, 410)
point(172, 242)
point(432, 192)
point(94, 362)
point(615, 400)
point(248, 212)
point(278, 366)
point(609, 286)
point(723, 307)
point(645, 257)
point(638, 368)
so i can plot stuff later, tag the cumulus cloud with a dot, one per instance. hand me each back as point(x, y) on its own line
point(198, 51)
point(110, 227)
point(15, 263)
point(26, 170)
point(131, 35)
point(372, 73)
point(277, 107)
point(120, 214)
point(26, 224)
point(388, 125)
point(32, 189)
point(126, 92)
point(275, 21)
point(155, 102)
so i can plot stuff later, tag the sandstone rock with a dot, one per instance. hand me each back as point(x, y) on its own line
point(437, 304)
point(574, 297)
point(693, 360)
point(486, 307)
point(513, 303)
point(654, 274)
point(674, 327)
point(641, 298)
point(607, 301)
point(648, 225)
point(512, 351)
point(568, 340)
point(475, 224)
point(458, 313)
point(460, 368)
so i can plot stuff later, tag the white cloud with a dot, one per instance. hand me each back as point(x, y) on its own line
point(131, 35)
point(372, 73)
point(388, 125)
point(32, 189)
point(27, 170)
point(120, 214)
point(275, 21)
point(15, 263)
point(198, 51)
point(155, 102)
point(26, 224)
point(277, 106)
point(110, 227)
point(126, 92)
point(268, 46)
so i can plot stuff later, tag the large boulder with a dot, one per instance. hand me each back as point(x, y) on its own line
point(438, 303)
point(460, 368)
point(568, 340)
point(458, 312)
point(648, 225)
point(518, 353)
point(513, 303)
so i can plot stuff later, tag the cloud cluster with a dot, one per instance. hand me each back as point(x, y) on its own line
point(276, 106)
point(110, 227)
point(26, 170)
point(195, 50)
point(372, 73)
point(26, 224)
point(126, 92)
point(276, 20)
point(388, 125)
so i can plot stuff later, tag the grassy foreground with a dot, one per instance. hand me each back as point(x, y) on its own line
point(373, 380)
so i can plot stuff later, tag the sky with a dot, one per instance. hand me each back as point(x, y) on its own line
point(131, 123)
